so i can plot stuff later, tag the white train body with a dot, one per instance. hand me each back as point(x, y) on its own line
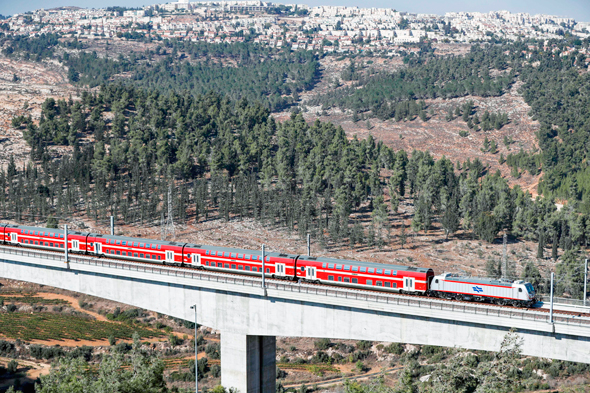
point(483, 289)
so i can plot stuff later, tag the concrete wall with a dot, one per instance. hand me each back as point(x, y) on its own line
point(245, 311)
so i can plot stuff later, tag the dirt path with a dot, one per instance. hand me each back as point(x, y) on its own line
point(332, 381)
point(35, 369)
point(73, 302)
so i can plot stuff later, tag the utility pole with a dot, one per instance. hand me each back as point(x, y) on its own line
point(194, 306)
point(504, 257)
point(168, 227)
point(263, 270)
point(112, 226)
point(551, 306)
point(585, 280)
point(308, 245)
point(66, 242)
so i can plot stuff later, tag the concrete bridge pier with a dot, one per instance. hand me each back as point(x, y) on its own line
point(248, 363)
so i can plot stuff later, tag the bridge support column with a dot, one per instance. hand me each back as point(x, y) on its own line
point(248, 363)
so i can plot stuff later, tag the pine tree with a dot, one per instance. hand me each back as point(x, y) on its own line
point(403, 236)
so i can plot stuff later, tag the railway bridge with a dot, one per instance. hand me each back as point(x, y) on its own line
point(250, 317)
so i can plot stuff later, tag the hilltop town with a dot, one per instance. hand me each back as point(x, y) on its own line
point(324, 28)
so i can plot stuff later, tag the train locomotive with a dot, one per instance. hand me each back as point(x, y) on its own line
point(330, 271)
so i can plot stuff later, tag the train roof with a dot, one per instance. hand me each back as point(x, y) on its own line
point(365, 264)
point(480, 280)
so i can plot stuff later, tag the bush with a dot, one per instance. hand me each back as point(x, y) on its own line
point(322, 343)
point(216, 371)
point(12, 367)
point(174, 340)
point(212, 351)
point(395, 348)
point(11, 308)
point(363, 345)
point(281, 373)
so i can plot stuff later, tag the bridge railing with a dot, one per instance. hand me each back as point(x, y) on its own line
point(435, 304)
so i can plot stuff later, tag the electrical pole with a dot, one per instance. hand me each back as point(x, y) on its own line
point(169, 225)
point(194, 306)
point(66, 242)
point(551, 306)
point(585, 280)
point(308, 245)
point(112, 226)
point(504, 258)
point(263, 269)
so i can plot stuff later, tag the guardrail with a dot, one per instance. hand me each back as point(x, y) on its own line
point(479, 309)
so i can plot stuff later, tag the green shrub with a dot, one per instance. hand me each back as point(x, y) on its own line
point(322, 343)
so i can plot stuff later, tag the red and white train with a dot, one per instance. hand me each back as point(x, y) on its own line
point(338, 272)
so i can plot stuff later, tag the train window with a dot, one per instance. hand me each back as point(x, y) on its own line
point(123, 243)
point(254, 269)
point(267, 259)
point(371, 270)
point(219, 264)
point(153, 256)
point(267, 270)
point(140, 244)
point(247, 268)
point(159, 246)
point(331, 278)
point(61, 246)
point(519, 289)
point(331, 266)
point(240, 256)
point(340, 279)
point(159, 257)
point(363, 269)
point(387, 284)
point(226, 254)
point(154, 246)
point(134, 254)
point(206, 263)
point(355, 280)
point(118, 242)
point(355, 269)
point(207, 252)
point(232, 255)
point(36, 242)
point(379, 271)
point(436, 281)
point(226, 265)
point(240, 267)
point(394, 273)
point(48, 244)
point(233, 266)
point(339, 267)
point(388, 272)
point(26, 241)
point(61, 236)
point(346, 267)
point(379, 283)
point(324, 265)
point(346, 279)
point(369, 282)
point(112, 252)
point(260, 258)
point(118, 252)
point(141, 255)
point(394, 285)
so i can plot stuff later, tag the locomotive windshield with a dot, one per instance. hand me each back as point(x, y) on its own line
point(529, 287)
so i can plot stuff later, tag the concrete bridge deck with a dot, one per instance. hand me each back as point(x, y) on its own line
point(250, 318)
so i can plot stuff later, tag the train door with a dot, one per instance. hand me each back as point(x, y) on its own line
point(311, 273)
point(409, 284)
point(170, 256)
point(98, 248)
point(75, 245)
point(196, 259)
point(13, 237)
point(280, 269)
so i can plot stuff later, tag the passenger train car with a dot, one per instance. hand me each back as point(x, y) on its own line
point(338, 272)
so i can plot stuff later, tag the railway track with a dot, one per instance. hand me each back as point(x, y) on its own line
point(280, 281)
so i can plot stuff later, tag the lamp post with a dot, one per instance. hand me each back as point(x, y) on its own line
point(194, 307)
